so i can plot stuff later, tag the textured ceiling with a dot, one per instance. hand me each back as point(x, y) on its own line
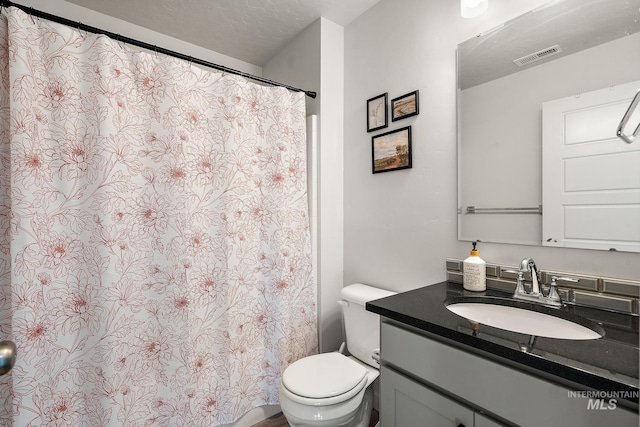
point(250, 30)
point(574, 25)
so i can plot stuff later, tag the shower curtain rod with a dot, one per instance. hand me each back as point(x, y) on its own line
point(80, 26)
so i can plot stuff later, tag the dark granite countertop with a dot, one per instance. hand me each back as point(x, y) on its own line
point(608, 364)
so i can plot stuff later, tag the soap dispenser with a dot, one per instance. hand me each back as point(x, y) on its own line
point(474, 271)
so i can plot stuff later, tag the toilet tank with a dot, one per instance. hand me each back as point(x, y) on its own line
point(361, 326)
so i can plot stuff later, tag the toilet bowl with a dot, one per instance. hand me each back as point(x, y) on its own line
point(331, 389)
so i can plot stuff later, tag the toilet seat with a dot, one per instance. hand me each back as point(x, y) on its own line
point(324, 379)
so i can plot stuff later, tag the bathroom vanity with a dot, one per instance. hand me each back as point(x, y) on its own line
point(439, 368)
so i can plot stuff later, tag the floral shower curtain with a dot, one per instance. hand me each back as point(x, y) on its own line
point(155, 261)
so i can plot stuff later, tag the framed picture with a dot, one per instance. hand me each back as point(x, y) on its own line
point(377, 113)
point(391, 151)
point(404, 106)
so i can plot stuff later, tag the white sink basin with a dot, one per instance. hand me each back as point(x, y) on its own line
point(525, 321)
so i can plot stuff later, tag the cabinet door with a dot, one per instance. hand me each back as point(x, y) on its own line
point(406, 403)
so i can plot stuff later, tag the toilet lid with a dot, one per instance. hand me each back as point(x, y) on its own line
point(323, 375)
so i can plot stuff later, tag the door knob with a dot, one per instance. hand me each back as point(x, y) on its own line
point(7, 356)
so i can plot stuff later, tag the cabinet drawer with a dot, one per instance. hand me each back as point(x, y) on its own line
point(482, 383)
point(406, 403)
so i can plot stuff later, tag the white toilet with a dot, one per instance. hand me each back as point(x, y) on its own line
point(331, 389)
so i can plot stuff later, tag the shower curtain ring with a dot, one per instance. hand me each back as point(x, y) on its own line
point(31, 15)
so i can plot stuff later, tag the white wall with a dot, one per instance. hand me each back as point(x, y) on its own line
point(299, 64)
point(331, 203)
point(104, 22)
point(400, 226)
point(315, 61)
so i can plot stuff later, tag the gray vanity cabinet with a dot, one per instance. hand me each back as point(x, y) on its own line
point(428, 381)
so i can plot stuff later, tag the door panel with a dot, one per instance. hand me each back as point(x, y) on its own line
point(590, 179)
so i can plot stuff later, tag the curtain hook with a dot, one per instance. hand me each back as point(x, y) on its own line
point(31, 15)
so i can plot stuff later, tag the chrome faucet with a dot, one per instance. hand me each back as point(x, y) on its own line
point(529, 264)
point(536, 295)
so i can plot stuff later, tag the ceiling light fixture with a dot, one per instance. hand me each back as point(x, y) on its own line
point(473, 8)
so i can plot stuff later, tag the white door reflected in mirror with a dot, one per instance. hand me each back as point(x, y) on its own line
point(590, 179)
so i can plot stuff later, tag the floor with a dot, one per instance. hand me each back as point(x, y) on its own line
point(278, 420)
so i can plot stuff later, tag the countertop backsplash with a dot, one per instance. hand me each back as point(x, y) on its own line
point(605, 293)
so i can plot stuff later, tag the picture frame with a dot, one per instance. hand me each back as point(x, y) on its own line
point(377, 112)
point(391, 150)
point(405, 106)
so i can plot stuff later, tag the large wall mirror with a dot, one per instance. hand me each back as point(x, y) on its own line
point(539, 101)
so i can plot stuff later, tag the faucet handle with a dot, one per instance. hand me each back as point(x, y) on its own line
point(553, 290)
point(520, 283)
point(554, 280)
